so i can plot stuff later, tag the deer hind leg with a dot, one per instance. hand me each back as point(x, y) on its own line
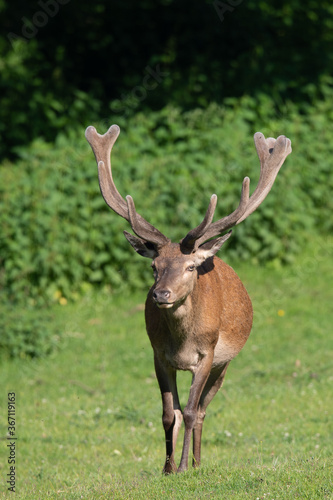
point(213, 384)
point(172, 415)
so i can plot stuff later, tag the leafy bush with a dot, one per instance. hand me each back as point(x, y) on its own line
point(60, 64)
point(57, 235)
point(26, 333)
point(32, 107)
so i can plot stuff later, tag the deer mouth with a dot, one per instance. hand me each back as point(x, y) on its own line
point(164, 305)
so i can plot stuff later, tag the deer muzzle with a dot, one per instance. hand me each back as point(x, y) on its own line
point(162, 298)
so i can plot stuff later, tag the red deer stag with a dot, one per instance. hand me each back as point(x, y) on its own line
point(198, 313)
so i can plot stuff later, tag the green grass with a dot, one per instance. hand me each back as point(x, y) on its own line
point(89, 415)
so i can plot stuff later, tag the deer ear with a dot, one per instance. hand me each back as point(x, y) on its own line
point(210, 248)
point(142, 247)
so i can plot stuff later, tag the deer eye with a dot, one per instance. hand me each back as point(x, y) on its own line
point(191, 268)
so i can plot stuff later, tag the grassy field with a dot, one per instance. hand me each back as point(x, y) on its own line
point(89, 416)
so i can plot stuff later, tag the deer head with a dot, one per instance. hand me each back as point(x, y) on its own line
point(175, 266)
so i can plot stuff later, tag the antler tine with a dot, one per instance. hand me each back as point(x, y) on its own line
point(190, 239)
point(102, 146)
point(229, 221)
point(271, 153)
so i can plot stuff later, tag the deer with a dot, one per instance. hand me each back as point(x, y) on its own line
point(198, 313)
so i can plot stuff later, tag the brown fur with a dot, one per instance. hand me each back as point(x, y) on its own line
point(200, 334)
point(218, 306)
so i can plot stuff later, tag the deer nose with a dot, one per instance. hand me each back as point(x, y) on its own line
point(161, 295)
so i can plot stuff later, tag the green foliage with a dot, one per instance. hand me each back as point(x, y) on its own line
point(58, 236)
point(32, 108)
point(60, 64)
point(26, 333)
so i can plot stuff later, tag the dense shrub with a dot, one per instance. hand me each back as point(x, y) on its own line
point(58, 63)
point(30, 107)
point(57, 235)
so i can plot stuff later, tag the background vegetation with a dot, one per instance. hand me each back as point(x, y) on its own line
point(64, 64)
point(189, 83)
point(58, 236)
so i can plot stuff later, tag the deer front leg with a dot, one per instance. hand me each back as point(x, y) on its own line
point(199, 380)
point(172, 416)
point(213, 384)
